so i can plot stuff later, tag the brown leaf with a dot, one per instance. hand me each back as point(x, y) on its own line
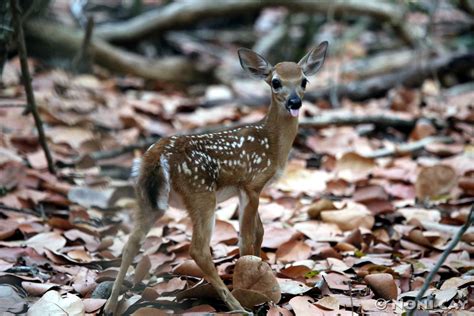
point(249, 298)
point(38, 289)
point(435, 181)
point(7, 228)
point(352, 216)
point(52, 303)
point(173, 285)
point(274, 236)
point(299, 179)
point(423, 128)
point(51, 240)
point(303, 305)
point(353, 167)
point(189, 268)
point(328, 303)
point(383, 285)
point(278, 311)
point(292, 287)
point(224, 232)
point(293, 250)
point(92, 305)
point(315, 209)
point(149, 311)
point(253, 274)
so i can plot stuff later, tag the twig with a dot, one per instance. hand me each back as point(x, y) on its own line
point(408, 147)
point(25, 74)
point(444, 255)
point(18, 210)
point(82, 61)
point(341, 118)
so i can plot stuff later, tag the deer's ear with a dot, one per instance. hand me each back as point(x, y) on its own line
point(313, 60)
point(254, 63)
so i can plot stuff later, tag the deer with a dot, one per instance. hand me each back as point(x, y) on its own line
point(196, 172)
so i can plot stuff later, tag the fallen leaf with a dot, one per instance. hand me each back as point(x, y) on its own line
point(170, 286)
point(315, 209)
point(435, 181)
point(352, 216)
point(293, 250)
point(52, 303)
point(10, 301)
point(383, 285)
point(251, 273)
point(38, 289)
point(51, 240)
point(353, 167)
point(292, 287)
point(328, 303)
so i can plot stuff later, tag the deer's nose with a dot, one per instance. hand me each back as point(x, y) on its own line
point(294, 102)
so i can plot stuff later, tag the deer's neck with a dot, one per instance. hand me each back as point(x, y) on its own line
point(282, 129)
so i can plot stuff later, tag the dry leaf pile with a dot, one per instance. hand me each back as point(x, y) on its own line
point(344, 232)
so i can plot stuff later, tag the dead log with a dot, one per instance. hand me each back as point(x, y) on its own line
point(170, 69)
point(407, 148)
point(343, 118)
point(410, 76)
point(180, 14)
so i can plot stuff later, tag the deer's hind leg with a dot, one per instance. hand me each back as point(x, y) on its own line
point(201, 208)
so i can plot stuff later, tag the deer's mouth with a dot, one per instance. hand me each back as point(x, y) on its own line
point(294, 112)
point(293, 105)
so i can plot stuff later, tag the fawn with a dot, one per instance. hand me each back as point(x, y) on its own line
point(196, 172)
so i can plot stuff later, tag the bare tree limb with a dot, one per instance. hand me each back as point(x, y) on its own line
point(171, 69)
point(82, 61)
point(407, 148)
point(444, 255)
point(341, 118)
point(180, 14)
point(26, 78)
point(411, 76)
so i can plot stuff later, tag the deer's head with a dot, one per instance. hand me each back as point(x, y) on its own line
point(287, 79)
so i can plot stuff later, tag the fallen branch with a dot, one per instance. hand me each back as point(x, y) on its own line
point(170, 69)
point(444, 255)
point(26, 78)
point(347, 118)
point(411, 76)
point(180, 14)
point(407, 148)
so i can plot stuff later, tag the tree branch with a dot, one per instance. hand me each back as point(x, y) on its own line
point(180, 14)
point(25, 74)
point(407, 148)
point(171, 69)
point(444, 255)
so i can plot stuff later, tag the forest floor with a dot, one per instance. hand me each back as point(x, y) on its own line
point(355, 224)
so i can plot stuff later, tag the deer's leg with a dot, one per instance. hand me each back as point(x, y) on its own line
point(248, 223)
point(143, 223)
point(258, 235)
point(201, 209)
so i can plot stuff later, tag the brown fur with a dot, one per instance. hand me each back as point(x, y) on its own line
point(195, 171)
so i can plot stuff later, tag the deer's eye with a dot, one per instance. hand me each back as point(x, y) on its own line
point(276, 83)
point(303, 83)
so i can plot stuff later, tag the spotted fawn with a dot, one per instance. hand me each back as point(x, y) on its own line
point(195, 172)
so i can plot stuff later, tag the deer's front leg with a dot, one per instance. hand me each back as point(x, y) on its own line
point(251, 230)
point(201, 210)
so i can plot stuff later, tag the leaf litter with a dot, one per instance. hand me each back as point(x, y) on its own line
point(337, 238)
